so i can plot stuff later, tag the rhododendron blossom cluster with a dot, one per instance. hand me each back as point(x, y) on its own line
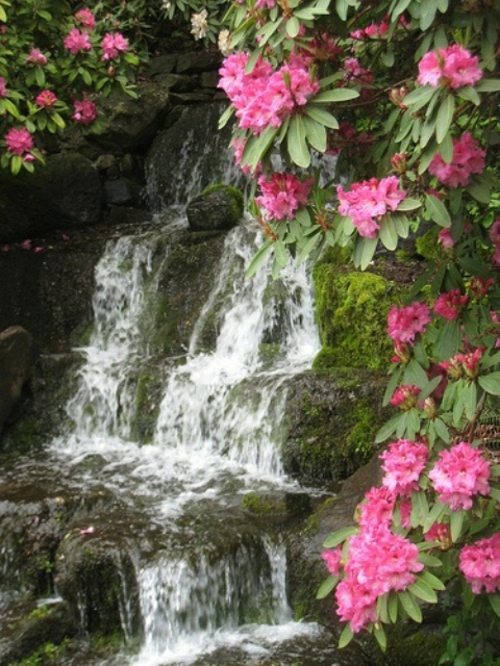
point(46, 99)
point(405, 396)
point(460, 474)
point(19, 142)
point(406, 322)
point(265, 97)
point(84, 111)
point(366, 202)
point(3, 87)
point(36, 57)
point(282, 195)
point(403, 462)
point(453, 66)
point(113, 43)
point(85, 18)
point(467, 159)
point(77, 41)
point(449, 304)
point(480, 564)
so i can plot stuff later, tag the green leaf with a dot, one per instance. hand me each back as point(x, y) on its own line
point(419, 97)
point(392, 607)
point(364, 251)
point(259, 259)
point(224, 119)
point(480, 190)
point(303, 216)
point(435, 515)
point(382, 610)
point(426, 158)
point(296, 142)
point(388, 234)
point(494, 600)
point(444, 117)
point(490, 383)
point(308, 247)
point(379, 634)
point(469, 94)
point(410, 606)
point(423, 591)
point(391, 386)
point(446, 148)
point(442, 431)
point(437, 211)
point(315, 134)
point(340, 535)
point(321, 116)
point(342, 6)
point(292, 27)
point(337, 95)
point(346, 636)
point(470, 400)
point(256, 148)
point(415, 374)
point(409, 204)
point(430, 560)
point(432, 580)
point(326, 587)
point(388, 428)
point(456, 524)
point(488, 85)
point(429, 388)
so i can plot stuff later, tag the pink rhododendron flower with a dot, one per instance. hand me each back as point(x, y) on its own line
point(403, 462)
point(323, 47)
point(439, 532)
point(46, 99)
point(405, 396)
point(404, 323)
point(462, 365)
point(27, 244)
point(376, 508)
point(19, 141)
point(453, 66)
point(446, 239)
point(3, 87)
point(265, 97)
point(332, 558)
point(460, 474)
point(356, 604)
point(84, 111)
point(113, 43)
point(481, 286)
point(405, 512)
point(366, 202)
point(495, 239)
point(467, 159)
point(450, 304)
point(480, 564)
point(355, 72)
point(85, 18)
point(282, 195)
point(76, 41)
point(265, 4)
point(36, 57)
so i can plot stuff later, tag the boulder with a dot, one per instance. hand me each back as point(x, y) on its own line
point(16, 356)
point(217, 208)
point(64, 193)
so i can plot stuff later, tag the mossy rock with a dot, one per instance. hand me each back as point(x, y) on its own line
point(218, 207)
point(332, 421)
point(351, 311)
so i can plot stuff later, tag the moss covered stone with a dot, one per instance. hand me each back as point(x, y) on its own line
point(351, 311)
point(219, 206)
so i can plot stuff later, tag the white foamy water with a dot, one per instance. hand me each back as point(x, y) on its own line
point(218, 434)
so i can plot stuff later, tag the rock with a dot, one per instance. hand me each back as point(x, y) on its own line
point(121, 192)
point(16, 357)
point(198, 61)
point(331, 420)
point(192, 97)
point(217, 208)
point(66, 192)
point(209, 79)
point(162, 64)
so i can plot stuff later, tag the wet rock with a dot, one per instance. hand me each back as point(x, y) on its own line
point(162, 64)
point(332, 420)
point(16, 358)
point(121, 192)
point(217, 208)
point(66, 192)
point(198, 61)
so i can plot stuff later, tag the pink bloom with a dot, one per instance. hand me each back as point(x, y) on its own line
point(452, 66)
point(404, 323)
point(356, 604)
point(76, 41)
point(376, 508)
point(27, 244)
point(470, 362)
point(46, 99)
point(480, 564)
point(323, 47)
point(19, 141)
point(282, 195)
point(36, 57)
point(265, 4)
point(113, 43)
point(332, 558)
point(439, 532)
point(450, 304)
point(403, 462)
point(355, 72)
point(467, 159)
point(3, 87)
point(460, 474)
point(405, 512)
point(84, 111)
point(446, 239)
point(85, 18)
point(495, 239)
point(405, 396)
point(366, 202)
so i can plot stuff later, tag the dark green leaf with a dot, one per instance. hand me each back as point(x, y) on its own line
point(296, 142)
point(340, 535)
point(437, 210)
point(490, 383)
point(445, 117)
point(411, 606)
point(337, 95)
point(321, 116)
point(423, 591)
point(326, 587)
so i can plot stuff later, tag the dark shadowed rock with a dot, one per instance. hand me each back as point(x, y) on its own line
point(198, 61)
point(16, 356)
point(215, 209)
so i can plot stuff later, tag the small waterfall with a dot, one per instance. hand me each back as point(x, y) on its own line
point(102, 405)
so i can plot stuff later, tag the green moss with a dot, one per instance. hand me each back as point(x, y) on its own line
point(421, 648)
point(351, 311)
point(26, 434)
point(257, 504)
point(427, 245)
point(48, 653)
point(234, 194)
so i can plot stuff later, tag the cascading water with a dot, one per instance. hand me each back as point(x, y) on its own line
point(217, 436)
